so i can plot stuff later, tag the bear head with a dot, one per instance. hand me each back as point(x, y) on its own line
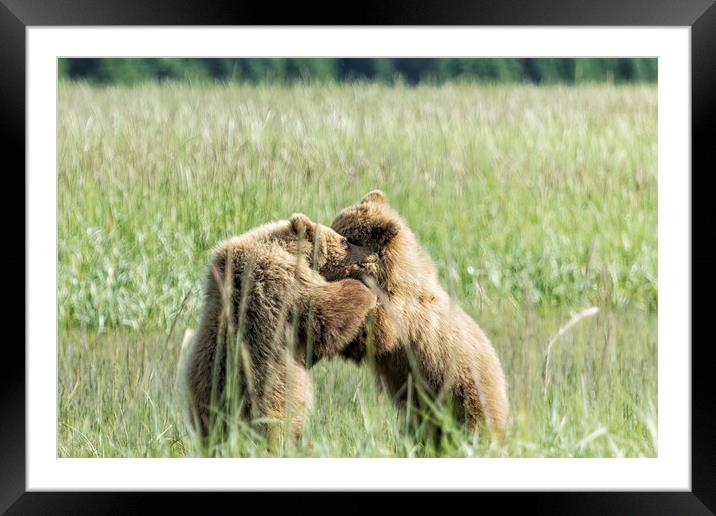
point(373, 224)
point(333, 255)
point(370, 223)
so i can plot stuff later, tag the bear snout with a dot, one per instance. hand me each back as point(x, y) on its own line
point(369, 264)
point(370, 260)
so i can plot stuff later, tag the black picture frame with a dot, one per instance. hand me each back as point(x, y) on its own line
point(700, 15)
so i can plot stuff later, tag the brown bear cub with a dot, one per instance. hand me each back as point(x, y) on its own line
point(269, 290)
point(417, 328)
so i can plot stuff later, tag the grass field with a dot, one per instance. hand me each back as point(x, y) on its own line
point(535, 202)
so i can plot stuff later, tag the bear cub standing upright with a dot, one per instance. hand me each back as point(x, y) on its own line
point(261, 286)
point(417, 328)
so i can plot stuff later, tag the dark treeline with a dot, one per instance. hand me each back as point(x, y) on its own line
point(569, 71)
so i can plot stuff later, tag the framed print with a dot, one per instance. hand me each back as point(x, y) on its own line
point(315, 257)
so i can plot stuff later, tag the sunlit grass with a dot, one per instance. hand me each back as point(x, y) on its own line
point(535, 203)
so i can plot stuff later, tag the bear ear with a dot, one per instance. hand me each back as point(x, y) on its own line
point(302, 225)
point(376, 196)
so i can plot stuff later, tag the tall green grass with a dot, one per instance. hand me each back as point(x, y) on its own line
point(535, 203)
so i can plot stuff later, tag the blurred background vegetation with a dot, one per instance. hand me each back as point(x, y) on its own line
point(411, 71)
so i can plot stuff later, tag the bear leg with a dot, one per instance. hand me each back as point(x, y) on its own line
point(287, 401)
point(335, 315)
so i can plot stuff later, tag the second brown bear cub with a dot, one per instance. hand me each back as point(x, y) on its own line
point(417, 328)
point(270, 288)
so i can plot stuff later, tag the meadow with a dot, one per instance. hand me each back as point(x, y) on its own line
point(536, 203)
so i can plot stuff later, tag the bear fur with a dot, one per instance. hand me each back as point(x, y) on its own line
point(416, 328)
point(270, 287)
